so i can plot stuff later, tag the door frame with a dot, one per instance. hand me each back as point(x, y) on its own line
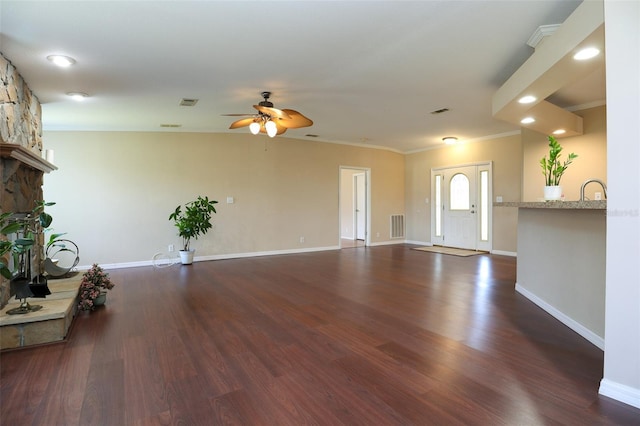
point(341, 198)
point(485, 245)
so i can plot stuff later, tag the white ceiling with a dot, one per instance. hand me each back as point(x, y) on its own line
point(366, 72)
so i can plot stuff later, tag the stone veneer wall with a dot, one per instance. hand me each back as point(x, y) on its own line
point(21, 124)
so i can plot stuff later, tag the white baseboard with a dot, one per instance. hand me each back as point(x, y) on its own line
point(176, 259)
point(569, 322)
point(505, 253)
point(619, 392)
point(419, 243)
point(387, 243)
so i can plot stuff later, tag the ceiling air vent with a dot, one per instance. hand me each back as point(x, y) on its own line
point(188, 102)
point(440, 111)
point(171, 125)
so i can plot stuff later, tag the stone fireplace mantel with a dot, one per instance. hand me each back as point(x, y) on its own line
point(28, 158)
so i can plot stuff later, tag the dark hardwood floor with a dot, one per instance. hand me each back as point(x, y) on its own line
point(369, 336)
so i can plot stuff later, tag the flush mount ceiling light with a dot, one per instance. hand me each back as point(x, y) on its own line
point(450, 140)
point(586, 53)
point(528, 99)
point(78, 96)
point(61, 60)
point(528, 120)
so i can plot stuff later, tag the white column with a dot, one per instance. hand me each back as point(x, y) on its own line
point(622, 316)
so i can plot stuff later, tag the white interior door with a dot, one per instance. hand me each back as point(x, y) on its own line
point(360, 203)
point(461, 212)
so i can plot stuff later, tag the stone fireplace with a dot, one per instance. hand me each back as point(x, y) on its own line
point(21, 164)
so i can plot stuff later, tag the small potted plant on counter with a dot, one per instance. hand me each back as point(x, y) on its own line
point(553, 169)
point(193, 222)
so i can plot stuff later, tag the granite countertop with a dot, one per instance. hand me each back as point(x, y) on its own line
point(570, 205)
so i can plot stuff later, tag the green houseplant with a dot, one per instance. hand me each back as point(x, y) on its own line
point(553, 169)
point(192, 222)
point(28, 230)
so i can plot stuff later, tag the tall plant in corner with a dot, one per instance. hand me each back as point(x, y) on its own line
point(192, 222)
point(552, 168)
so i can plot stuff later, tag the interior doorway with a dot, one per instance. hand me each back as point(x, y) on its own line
point(461, 208)
point(354, 207)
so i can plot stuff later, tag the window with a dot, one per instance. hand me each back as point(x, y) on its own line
point(459, 192)
point(484, 205)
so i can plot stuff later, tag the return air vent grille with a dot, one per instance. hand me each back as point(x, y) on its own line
point(397, 226)
point(188, 102)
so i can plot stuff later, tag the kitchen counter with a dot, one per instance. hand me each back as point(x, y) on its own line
point(574, 205)
point(562, 261)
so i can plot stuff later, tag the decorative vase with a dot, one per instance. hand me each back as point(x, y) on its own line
point(552, 193)
point(186, 256)
point(101, 299)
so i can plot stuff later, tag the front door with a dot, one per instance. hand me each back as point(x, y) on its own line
point(461, 209)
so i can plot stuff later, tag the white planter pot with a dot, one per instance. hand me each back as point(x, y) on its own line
point(552, 192)
point(186, 256)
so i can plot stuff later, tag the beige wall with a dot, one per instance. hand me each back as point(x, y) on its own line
point(591, 148)
point(506, 155)
point(115, 190)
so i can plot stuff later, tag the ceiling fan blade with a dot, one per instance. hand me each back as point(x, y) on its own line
point(273, 112)
point(241, 123)
point(295, 121)
point(281, 129)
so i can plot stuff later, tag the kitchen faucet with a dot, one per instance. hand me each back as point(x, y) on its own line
point(588, 181)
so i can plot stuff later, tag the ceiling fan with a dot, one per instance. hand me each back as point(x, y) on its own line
point(270, 120)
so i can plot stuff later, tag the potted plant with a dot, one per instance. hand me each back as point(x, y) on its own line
point(194, 221)
point(553, 169)
point(93, 288)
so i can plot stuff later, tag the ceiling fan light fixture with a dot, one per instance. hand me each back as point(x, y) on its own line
point(271, 128)
point(254, 128)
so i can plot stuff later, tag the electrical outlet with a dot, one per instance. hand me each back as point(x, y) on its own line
point(171, 248)
point(598, 196)
point(301, 240)
point(499, 199)
point(377, 234)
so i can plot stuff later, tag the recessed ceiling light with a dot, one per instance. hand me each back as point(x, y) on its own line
point(78, 96)
point(527, 120)
point(61, 60)
point(559, 132)
point(450, 140)
point(527, 99)
point(586, 53)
